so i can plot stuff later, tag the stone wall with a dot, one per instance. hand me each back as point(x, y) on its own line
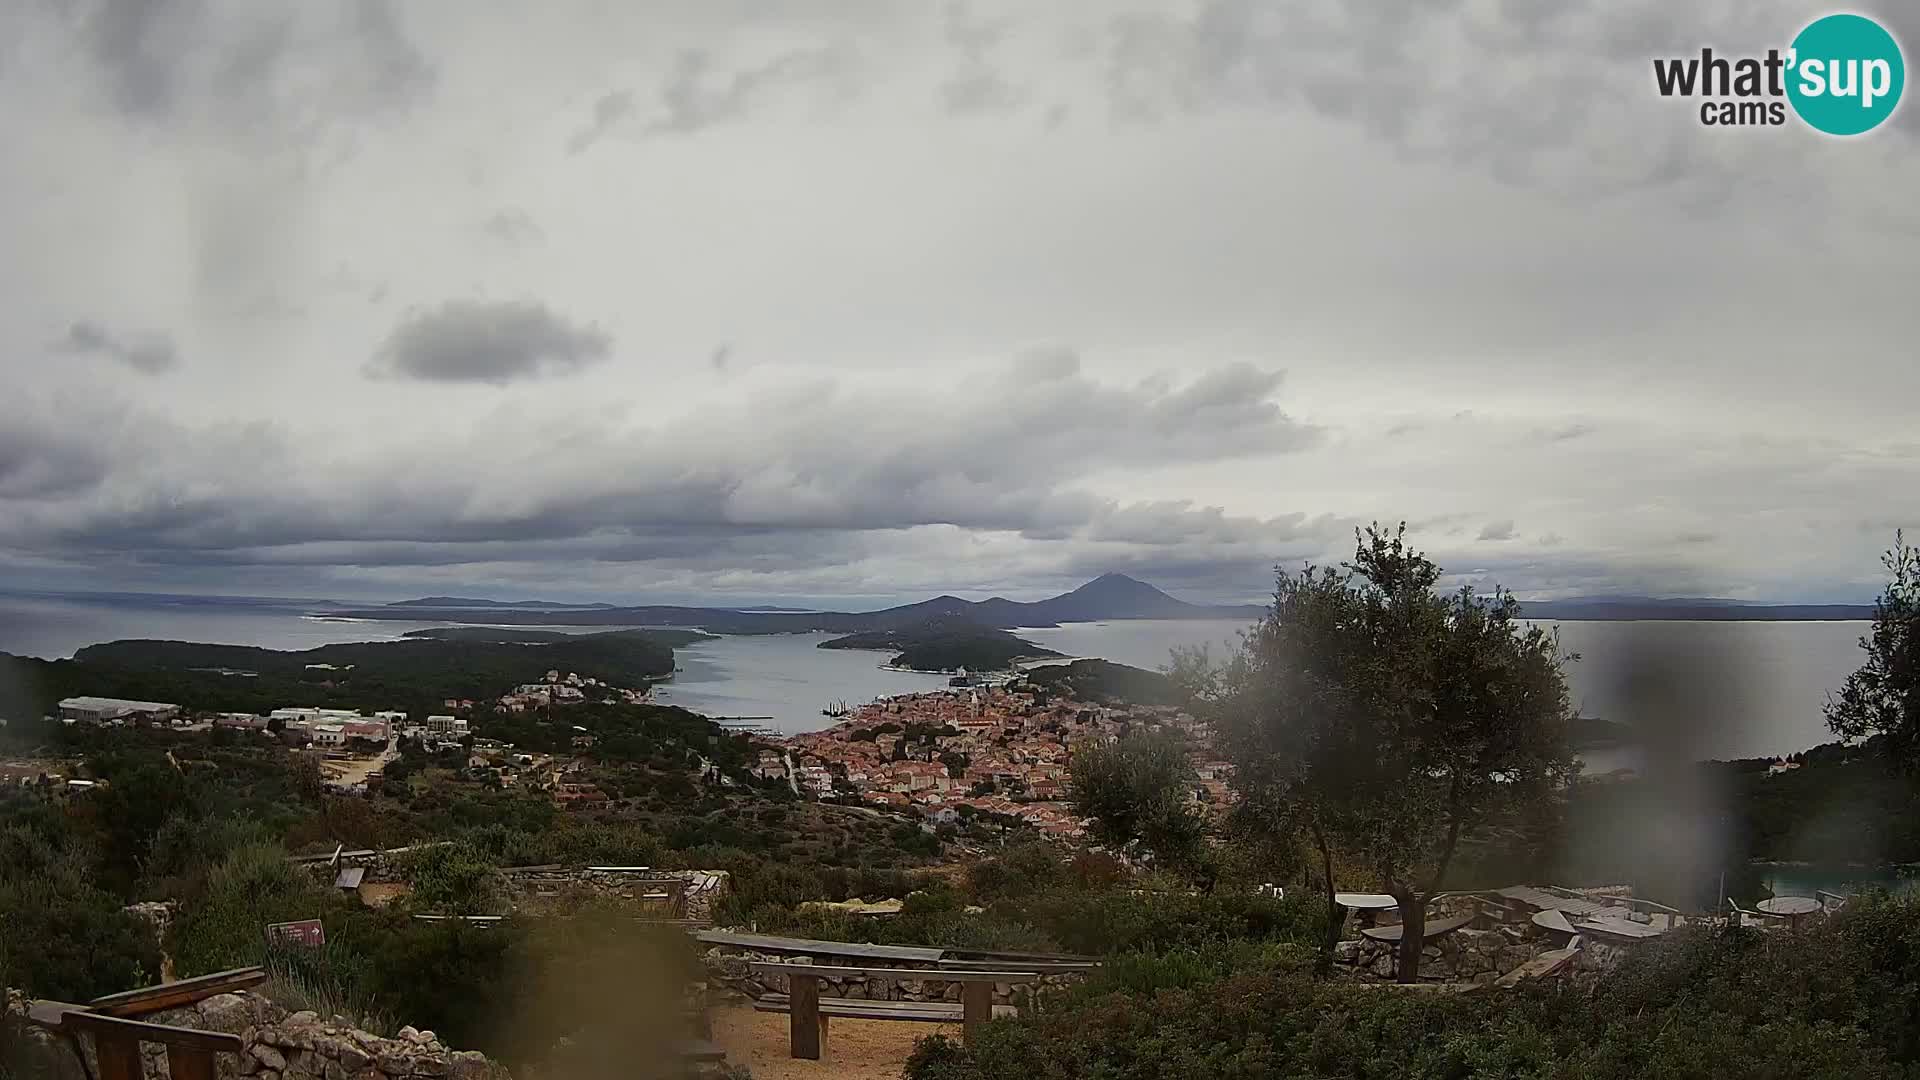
point(280, 1045)
point(731, 967)
point(533, 886)
point(1476, 956)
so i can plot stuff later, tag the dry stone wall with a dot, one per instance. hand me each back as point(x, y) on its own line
point(536, 885)
point(280, 1045)
point(732, 968)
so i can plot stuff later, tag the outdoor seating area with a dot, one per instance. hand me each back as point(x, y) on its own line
point(814, 980)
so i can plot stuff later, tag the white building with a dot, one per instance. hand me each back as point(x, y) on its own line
point(103, 710)
point(313, 715)
point(328, 735)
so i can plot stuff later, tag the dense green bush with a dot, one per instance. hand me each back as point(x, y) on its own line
point(63, 937)
point(1119, 919)
point(1835, 1001)
point(456, 877)
point(68, 941)
point(253, 887)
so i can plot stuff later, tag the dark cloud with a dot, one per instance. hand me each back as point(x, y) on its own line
point(148, 354)
point(139, 45)
point(41, 460)
point(496, 343)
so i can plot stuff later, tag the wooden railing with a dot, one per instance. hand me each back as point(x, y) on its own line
point(117, 1036)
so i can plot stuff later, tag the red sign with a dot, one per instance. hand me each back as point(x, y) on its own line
point(304, 932)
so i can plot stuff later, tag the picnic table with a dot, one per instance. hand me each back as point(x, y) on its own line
point(1790, 908)
point(1432, 930)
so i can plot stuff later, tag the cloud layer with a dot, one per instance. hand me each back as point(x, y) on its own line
point(853, 299)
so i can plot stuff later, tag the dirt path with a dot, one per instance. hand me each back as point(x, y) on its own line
point(854, 1050)
point(357, 770)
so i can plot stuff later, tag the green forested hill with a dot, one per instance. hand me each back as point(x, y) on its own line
point(415, 674)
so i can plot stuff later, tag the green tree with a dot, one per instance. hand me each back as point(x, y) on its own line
point(1386, 720)
point(1136, 791)
point(134, 804)
point(1883, 696)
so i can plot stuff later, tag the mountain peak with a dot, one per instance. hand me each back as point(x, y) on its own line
point(1119, 585)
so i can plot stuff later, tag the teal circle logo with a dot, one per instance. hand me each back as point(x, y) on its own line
point(1845, 74)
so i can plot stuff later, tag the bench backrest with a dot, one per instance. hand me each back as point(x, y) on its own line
point(827, 971)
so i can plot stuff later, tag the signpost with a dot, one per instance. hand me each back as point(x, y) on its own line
point(306, 932)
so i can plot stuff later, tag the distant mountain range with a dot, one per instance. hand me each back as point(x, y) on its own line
point(1687, 609)
point(1107, 597)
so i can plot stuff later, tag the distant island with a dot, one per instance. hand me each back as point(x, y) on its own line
point(466, 602)
point(1688, 609)
point(945, 644)
point(1107, 682)
point(500, 635)
point(1109, 597)
point(415, 674)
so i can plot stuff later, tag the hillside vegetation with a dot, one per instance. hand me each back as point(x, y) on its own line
point(414, 674)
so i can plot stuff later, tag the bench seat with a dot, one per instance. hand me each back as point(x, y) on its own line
point(932, 1012)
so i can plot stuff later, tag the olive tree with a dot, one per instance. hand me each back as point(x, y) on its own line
point(1137, 791)
point(1883, 696)
point(1385, 720)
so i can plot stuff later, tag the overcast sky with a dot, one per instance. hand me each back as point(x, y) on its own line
point(866, 300)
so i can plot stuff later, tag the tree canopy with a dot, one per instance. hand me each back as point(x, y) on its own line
point(1385, 719)
point(1883, 696)
point(1135, 789)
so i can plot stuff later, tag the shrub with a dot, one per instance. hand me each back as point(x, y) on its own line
point(254, 886)
point(1827, 1003)
point(454, 877)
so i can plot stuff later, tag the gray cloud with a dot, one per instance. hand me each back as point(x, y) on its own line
point(1556, 96)
point(1508, 283)
point(148, 354)
point(514, 228)
point(809, 473)
point(496, 343)
point(609, 110)
point(977, 85)
point(41, 458)
point(251, 66)
point(1566, 432)
point(697, 94)
point(1497, 531)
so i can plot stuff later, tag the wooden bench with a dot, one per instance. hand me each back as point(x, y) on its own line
point(117, 1037)
point(807, 1024)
